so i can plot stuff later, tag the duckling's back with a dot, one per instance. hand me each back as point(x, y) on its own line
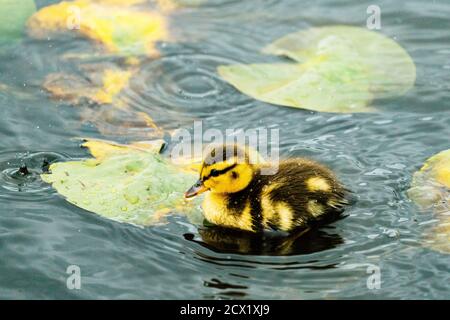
point(301, 193)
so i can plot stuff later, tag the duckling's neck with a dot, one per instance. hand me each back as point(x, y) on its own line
point(242, 202)
point(235, 210)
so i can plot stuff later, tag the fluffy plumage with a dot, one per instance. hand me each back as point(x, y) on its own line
point(300, 194)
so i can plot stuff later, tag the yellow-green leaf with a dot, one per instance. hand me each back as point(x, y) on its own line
point(127, 183)
point(431, 184)
point(336, 69)
point(316, 86)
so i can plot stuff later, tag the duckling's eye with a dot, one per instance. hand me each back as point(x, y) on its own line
point(214, 173)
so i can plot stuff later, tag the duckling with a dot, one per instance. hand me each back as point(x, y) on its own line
point(299, 194)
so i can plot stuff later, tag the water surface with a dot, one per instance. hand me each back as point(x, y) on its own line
point(374, 154)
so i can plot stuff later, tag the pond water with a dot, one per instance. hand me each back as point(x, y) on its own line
point(374, 154)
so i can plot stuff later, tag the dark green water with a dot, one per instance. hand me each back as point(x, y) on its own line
point(374, 154)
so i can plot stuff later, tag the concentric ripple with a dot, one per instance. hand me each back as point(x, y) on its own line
point(20, 175)
point(186, 85)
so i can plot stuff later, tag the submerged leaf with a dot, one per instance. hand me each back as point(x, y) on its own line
point(338, 69)
point(122, 122)
point(118, 25)
point(121, 2)
point(439, 167)
point(430, 190)
point(127, 183)
point(69, 87)
point(14, 15)
point(99, 83)
point(438, 238)
point(171, 5)
point(113, 82)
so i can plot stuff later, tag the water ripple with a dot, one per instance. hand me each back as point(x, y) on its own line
point(20, 175)
point(184, 85)
point(374, 154)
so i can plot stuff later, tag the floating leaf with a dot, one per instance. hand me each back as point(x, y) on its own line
point(430, 190)
point(338, 69)
point(391, 70)
point(127, 183)
point(14, 15)
point(312, 86)
point(431, 184)
point(118, 25)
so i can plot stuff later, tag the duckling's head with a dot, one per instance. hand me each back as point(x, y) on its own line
point(225, 169)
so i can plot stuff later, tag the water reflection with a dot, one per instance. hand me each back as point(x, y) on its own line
point(224, 240)
point(226, 290)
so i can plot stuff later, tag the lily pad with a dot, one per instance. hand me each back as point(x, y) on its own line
point(336, 69)
point(127, 183)
point(14, 15)
point(430, 190)
point(312, 86)
point(120, 26)
point(430, 186)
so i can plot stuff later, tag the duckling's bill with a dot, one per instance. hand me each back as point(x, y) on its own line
point(195, 190)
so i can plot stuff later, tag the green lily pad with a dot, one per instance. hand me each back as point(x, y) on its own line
point(312, 86)
point(337, 69)
point(14, 15)
point(126, 183)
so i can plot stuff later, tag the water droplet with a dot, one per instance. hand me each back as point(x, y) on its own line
point(131, 198)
